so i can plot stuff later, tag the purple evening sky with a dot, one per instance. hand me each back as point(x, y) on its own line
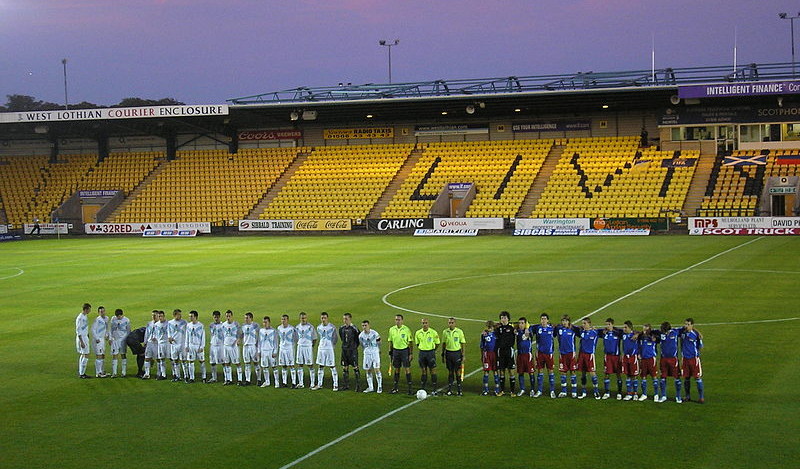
point(205, 51)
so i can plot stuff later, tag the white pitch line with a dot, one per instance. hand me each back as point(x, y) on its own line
point(667, 277)
point(537, 272)
point(406, 406)
point(362, 427)
point(20, 272)
point(757, 321)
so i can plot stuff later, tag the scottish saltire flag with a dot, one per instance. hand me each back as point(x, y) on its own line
point(745, 160)
point(787, 159)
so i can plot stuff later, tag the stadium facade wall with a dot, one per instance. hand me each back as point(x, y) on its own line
point(603, 124)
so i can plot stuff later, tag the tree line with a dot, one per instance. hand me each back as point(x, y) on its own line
point(23, 103)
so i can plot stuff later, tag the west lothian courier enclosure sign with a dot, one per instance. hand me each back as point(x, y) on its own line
point(145, 112)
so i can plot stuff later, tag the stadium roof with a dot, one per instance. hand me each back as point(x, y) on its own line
point(509, 98)
point(581, 81)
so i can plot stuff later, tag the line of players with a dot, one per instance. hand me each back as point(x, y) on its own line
point(282, 352)
point(626, 352)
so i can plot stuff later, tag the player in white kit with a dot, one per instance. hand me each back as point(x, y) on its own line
point(250, 349)
point(82, 339)
point(161, 333)
point(120, 328)
point(195, 345)
point(268, 351)
point(370, 342)
point(215, 351)
point(231, 339)
point(328, 337)
point(176, 335)
point(306, 339)
point(287, 335)
point(151, 345)
point(100, 337)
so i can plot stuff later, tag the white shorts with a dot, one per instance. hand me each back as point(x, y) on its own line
point(286, 357)
point(304, 355)
point(268, 359)
point(99, 347)
point(372, 360)
point(216, 354)
point(151, 350)
point(325, 357)
point(232, 355)
point(177, 352)
point(82, 350)
point(163, 351)
point(195, 352)
point(118, 346)
point(249, 354)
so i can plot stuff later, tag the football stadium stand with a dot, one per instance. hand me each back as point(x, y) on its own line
point(32, 188)
point(612, 177)
point(338, 182)
point(502, 171)
point(592, 177)
point(737, 181)
point(207, 185)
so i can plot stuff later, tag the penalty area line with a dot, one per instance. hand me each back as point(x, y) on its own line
point(359, 429)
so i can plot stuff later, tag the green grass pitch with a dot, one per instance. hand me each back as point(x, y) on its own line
point(53, 419)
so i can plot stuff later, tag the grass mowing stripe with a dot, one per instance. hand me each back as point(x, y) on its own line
point(666, 277)
point(362, 427)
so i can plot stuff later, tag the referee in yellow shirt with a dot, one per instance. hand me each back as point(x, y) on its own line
point(453, 354)
point(427, 340)
point(400, 350)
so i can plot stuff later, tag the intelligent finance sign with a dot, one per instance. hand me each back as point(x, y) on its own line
point(727, 90)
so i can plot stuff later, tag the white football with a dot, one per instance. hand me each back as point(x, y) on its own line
point(422, 394)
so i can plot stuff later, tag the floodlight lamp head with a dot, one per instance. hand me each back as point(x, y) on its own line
point(294, 115)
point(470, 109)
point(782, 16)
point(382, 42)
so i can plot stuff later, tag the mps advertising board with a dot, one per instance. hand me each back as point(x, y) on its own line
point(754, 226)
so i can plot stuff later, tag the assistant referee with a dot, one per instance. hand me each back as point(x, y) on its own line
point(454, 346)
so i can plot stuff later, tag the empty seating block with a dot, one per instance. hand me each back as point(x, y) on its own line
point(208, 185)
point(735, 190)
point(502, 172)
point(121, 171)
point(338, 182)
point(605, 177)
point(32, 187)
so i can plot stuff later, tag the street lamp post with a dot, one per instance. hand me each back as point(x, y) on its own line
point(791, 19)
point(389, 44)
point(66, 99)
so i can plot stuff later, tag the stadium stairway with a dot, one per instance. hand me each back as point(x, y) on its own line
point(137, 190)
point(394, 186)
point(273, 191)
point(535, 192)
point(697, 188)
